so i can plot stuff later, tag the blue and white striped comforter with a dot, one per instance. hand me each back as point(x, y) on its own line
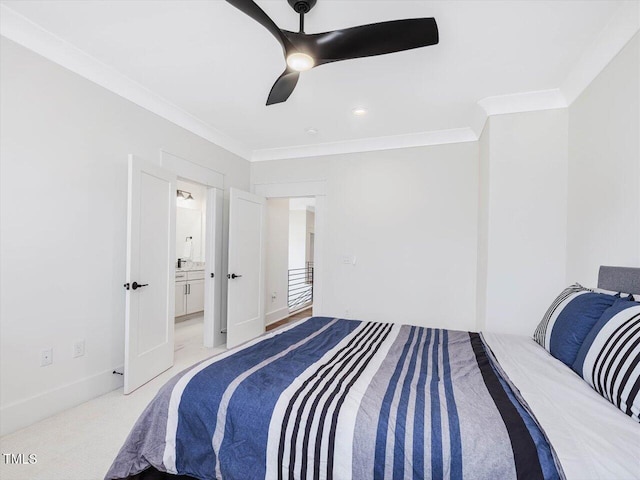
point(340, 399)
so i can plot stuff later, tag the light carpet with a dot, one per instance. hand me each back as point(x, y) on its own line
point(80, 443)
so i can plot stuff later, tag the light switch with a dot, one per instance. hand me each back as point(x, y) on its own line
point(349, 259)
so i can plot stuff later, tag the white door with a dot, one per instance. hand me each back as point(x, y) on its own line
point(246, 277)
point(149, 314)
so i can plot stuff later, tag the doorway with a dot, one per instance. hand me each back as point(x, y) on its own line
point(290, 269)
point(209, 184)
point(190, 265)
point(301, 265)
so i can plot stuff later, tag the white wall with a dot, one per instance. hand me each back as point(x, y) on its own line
point(604, 170)
point(63, 173)
point(410, 218)
point(277, 259)
point(525, 185)
point(297, 238)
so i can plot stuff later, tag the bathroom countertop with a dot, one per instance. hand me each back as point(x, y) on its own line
point(191, 268)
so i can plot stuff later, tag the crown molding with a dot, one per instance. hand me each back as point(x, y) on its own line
point(23, 31)
point(478, 119)
point(623, 25)
point(523, 102)
point(438, 137)
point(487, 107)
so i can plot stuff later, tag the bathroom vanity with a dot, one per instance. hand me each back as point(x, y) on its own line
point(189, 290)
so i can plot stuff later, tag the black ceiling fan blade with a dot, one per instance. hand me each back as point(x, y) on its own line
point(283, 87)
point(250, 8)
point(367, 40)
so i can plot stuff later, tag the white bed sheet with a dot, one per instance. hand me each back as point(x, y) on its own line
point(593, 439)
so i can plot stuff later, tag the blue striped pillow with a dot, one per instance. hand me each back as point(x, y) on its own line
point(609, 359)
point(569, 320)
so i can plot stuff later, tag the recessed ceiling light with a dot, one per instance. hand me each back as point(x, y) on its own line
point(359, 111)
point(311, 131)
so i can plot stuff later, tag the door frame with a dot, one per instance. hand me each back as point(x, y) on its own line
point(318, 190)
point(214, 240)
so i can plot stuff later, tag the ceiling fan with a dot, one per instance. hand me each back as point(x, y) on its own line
point(305, 51)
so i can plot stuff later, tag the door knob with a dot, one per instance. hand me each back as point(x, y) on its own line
point(136, 285)
point(233, 275)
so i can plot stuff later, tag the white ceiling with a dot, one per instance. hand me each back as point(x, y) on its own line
point(212, 61)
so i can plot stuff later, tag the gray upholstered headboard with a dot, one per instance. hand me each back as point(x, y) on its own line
point(619, 279)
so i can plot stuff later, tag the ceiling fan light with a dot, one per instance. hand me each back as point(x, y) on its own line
point(300, 62)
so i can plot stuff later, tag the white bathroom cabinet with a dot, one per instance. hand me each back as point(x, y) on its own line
point(189, 292)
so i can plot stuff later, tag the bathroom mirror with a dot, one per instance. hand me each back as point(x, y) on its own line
point(189, 224)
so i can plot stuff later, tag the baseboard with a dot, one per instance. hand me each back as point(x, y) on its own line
point(276, 315)
point(188, 316)
point(33, 409)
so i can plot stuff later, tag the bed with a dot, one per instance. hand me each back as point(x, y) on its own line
point(330, 398)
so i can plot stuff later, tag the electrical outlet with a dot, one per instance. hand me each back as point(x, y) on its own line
point(46, 357)
point(78, 349)
point(274, 295)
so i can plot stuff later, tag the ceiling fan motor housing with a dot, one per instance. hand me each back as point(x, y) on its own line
point(302, 6)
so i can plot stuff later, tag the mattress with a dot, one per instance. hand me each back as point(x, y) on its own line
point(592, 438)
